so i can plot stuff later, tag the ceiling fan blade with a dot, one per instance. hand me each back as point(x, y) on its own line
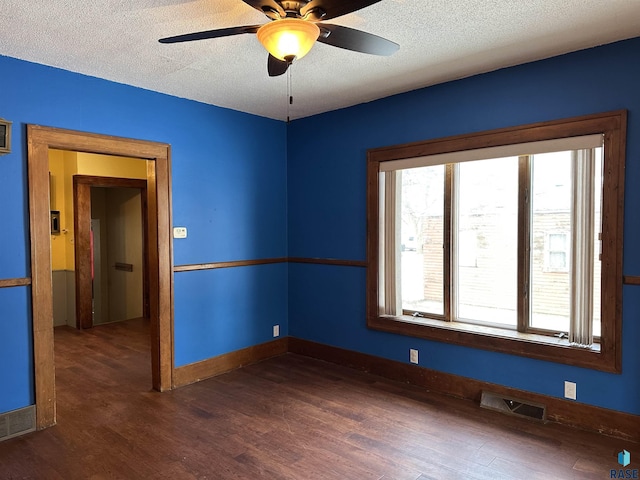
point(356, 40)
point(269, 7)
point(335, 8)
point(276, 67)
point(221, 32)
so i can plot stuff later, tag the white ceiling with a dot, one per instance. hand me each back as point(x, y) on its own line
point(440, 40)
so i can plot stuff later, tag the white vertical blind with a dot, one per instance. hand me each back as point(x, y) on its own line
point(391, 303)
point(582, 251)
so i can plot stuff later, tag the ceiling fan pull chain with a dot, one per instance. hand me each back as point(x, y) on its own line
point(289, 93)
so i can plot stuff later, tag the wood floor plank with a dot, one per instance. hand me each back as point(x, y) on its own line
point(286, 418)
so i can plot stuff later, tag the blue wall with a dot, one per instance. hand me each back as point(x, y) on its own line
point(238, 308)
point(16, 353)
point(327, 208)
point(228, 190)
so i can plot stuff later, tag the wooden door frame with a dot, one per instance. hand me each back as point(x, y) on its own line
point(82, 185)
point(40, 140)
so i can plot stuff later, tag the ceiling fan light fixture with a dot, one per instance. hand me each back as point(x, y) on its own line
point(288, 38)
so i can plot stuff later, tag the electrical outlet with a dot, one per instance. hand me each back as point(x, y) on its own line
point(570, 390)
point(413, 355)
point(276, 330)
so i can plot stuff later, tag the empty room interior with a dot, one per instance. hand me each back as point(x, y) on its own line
point(413, 256)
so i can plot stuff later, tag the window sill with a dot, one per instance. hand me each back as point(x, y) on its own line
point(541, 347)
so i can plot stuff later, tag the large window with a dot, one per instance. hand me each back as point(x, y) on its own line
point(507, 240)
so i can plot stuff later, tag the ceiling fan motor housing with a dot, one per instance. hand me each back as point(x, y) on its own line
point(293, 9)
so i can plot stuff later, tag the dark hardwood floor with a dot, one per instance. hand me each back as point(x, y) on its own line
point(290, 417)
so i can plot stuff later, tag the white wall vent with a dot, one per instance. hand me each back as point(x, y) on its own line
point(17, 422)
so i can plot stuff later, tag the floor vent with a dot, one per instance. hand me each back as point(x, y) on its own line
point(514, 406)
point(17, 422)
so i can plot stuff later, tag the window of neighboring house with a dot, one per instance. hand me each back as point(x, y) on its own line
point(556, 252)
point(519, 235)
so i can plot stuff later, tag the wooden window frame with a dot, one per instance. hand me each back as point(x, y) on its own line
point(608, 357)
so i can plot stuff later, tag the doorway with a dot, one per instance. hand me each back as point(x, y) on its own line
point(158, 246)
point(110, 249)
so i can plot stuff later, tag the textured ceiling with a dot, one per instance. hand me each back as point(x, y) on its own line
point(439, 41)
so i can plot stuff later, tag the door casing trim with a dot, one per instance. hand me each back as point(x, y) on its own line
point(39, 140)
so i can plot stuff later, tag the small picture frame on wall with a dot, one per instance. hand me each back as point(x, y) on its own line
point(5, 137)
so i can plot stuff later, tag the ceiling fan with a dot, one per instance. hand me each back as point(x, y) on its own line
point(296, 26)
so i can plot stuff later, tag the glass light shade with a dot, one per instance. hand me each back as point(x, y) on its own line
point(289, 37)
